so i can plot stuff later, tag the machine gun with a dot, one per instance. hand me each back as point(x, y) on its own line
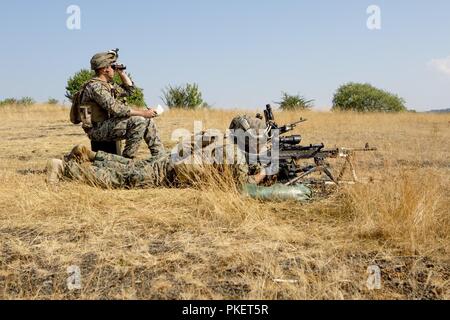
point(290, 152)
point(290, 171)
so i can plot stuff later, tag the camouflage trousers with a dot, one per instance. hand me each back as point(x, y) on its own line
point(113, 171)
point(133, 130)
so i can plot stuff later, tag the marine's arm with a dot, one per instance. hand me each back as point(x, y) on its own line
point(99, 93)
point(127, 87)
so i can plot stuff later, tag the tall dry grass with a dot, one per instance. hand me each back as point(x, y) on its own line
point(209, 242)
point(411, 210)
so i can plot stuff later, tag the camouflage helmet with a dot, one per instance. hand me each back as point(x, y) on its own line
point(248, 133)
point(246, 123)
point(104, 59)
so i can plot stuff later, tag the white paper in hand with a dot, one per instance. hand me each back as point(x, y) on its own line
point(159, 110)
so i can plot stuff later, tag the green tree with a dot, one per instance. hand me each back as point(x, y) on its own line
point(366, 98)
point(75, 82)
point(185, 97)
point(294, 102)
point(78, 79)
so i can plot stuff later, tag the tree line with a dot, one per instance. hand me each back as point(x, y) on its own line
point(360, 97)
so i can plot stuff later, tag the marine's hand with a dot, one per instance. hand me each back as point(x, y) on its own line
point(120, 72)
point(257, 178)
point(149, 113)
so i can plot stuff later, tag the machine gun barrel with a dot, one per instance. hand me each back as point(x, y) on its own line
point(270, 122)
point(290, 126)
point(350, 150)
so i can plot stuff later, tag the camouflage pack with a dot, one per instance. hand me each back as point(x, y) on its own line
point(77, 115)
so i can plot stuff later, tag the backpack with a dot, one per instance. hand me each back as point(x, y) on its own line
point(75, 111)
point(75, 116)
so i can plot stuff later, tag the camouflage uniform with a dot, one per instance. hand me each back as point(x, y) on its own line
point(113, 171)
point(246, 122)
point(245, 129)
point(115, 122)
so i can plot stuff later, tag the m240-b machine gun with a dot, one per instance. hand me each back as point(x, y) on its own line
point(290, 152)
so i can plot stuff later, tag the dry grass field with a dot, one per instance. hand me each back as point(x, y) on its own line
point(216, 244)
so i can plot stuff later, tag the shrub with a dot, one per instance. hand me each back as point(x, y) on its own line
point(78, 79)
point(8, 101)
point(206, 105)
point(185, 97)
point(366, 98)
point(24, 101)
point(294, 102)
point(52, 101)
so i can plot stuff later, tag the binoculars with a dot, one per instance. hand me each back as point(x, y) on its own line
point(118, 67)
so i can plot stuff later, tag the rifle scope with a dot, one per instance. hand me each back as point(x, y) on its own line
point(291, 140)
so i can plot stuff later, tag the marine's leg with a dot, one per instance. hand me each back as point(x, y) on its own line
point(109, 130)
point(55, 171)
point(153, 140)
point(112, 175)
point(103, 158)
point(136, 127)
point(131, 129)
point(104, 173)
point(113, 171)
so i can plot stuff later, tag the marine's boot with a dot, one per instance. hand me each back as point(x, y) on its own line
point(55, 170)
point(81, 153)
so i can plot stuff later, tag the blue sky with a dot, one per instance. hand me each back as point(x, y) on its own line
point(241, 53)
